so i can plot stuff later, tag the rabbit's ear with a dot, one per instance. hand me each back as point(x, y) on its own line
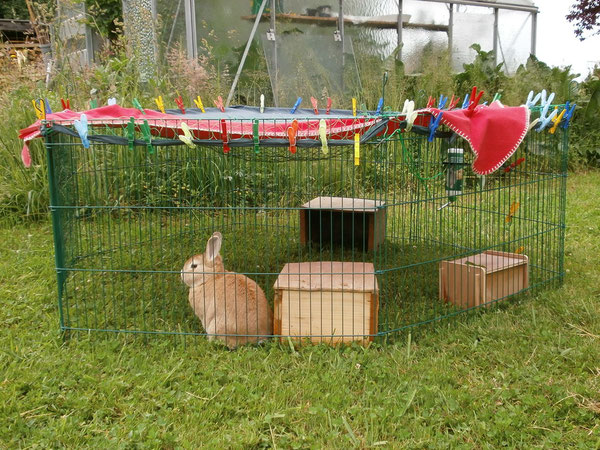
point(213, 246)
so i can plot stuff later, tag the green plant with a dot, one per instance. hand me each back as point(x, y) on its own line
point(483, 72)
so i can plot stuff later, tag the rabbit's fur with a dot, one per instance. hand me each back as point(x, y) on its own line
point(226, 303)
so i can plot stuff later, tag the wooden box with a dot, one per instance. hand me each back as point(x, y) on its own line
point(353, 222)
point(326, 301)
point(483, 278)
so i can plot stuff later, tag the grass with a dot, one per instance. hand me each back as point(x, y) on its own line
point(524, 374)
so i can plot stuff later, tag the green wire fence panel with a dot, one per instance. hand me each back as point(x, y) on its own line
point(330, 245)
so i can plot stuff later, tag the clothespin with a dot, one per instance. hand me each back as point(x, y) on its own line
point(314, 103)
point(81, 126)
point(292, 132)
point(453, 102)
point(328, 105)
point(354, 107)
point(379, 106)
point(475, 97)
point(442, 101)
point(357, 149)
point(545, 121)
point(255, 136)
point(159, 102)
point(323, 136)
point(40, 109)
point(26, 155)
point(465, 102)
point(65, 104)
point(433, 125)
point(533, 123)
point(430, 102)
point(136, 104)
point(131, 133)
point(520, 250)
point(513, 165)
point(409, 113)
point(296, 105)
point(224, 135)
point(546, 102)
point(556, 121)
point(513, 210)
point(179, 102)
point(187, 137)
point(262, 103)
point(568, 115)
point(219, 103)
point(111, 101)
point(497, 97)
point(199, 105)
point(93, 103)
point(47, 106)
point(147, 135)
point(531, 100)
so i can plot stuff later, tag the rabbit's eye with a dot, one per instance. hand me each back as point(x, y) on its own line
point(194, 266)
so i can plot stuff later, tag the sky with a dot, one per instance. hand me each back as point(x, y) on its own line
point(556, 42)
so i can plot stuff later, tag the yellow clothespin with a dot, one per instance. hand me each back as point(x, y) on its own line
point(187, 137)
point(513, 210)
point(354, 107)
point(198, 102)
point(357, 149)
point(520, 250)
point(557, 121)
point(159, 102)
point(40, 109)
point(323, 136)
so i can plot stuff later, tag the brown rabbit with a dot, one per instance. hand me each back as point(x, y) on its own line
point(226, 302)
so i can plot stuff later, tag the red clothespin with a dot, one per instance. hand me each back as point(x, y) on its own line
point(65, 104)
point(219, 103)
point(513, 165)
point(453, 102)
point(313, 102)
point(292, 131)
point(475, 97)
point(430, 102)
point(224, 136)
point(328, 105)
point(179, 102)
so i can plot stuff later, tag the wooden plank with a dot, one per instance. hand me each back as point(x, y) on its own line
point(344, 204)
point(15, 25)
point(332, 21)
point(328, 275)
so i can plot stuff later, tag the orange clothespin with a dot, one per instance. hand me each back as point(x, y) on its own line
point(453, 102)
point(225, 136)
point(179, 102)
point(513, 210)
point(314, 104)
point(292, 132)
point(520, 250)
point(328, 105)
point(430, 102)
point(513, 165)
point(219, 103)
point(161, 105)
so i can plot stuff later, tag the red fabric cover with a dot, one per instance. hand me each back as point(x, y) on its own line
point(494, 132)
point(169, 125)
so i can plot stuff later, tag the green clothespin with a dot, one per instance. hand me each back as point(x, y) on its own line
point(137, 104)
point(131, 133)
point(497, 96)
point(255, 136)
point(93, 103)
point(145, 129)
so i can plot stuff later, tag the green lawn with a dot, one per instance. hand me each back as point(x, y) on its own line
point(525, 374)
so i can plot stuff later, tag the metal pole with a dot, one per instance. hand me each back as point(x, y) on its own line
point(342, 40)
point(246, 50)
point(450, 28)
point(533, 32)
point(191, 43)
point(496, 36)
point(399, 53)
point(275, 63)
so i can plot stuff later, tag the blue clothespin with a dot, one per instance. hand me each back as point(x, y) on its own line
point(465, 102)
point(295, 107)
point(531, 100)
point(568, 115)
point(442, 102)
point(81, 126)
point(433, 125)
point(546, 102)
point(545, 121)
point(379, 106)
point(47, 106)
